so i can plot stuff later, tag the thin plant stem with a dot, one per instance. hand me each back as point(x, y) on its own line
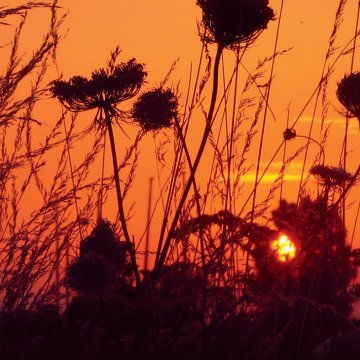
point(322, 85)
point(267, 97)
point(119, 196)
point(207, 131)
point(355, 225)
point(347, 119)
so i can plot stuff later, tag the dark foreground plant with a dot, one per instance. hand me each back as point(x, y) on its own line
point(223, 23)
point(104, 91)
point(103, 262)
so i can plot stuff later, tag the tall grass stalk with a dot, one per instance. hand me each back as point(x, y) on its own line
point(207, 130)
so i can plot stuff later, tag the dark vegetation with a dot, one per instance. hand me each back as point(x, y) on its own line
point(219, 288)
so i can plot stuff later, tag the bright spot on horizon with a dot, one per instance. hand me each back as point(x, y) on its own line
point(284, 248)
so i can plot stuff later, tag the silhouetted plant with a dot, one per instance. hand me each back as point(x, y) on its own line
point(103, 91)
point(230, 22)
point(320, 237)
point(103, 262)
point(103, 241)
point(226, 23)
point(32, 240)
point(36, 334)
point(348, 93)
point(330, 175)
point(155, 109)
point(108, 318)
point(312, 288)
point(91, 273)
point(289, 134)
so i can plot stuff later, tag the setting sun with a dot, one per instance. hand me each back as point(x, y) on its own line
point(284, 248)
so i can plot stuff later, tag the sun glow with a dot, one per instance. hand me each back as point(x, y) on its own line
point(285, 248)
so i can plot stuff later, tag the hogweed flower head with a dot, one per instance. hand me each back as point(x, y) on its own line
point(155, 109)
point(348, 93)
point(104, 90)
point(330, 175)
point(230, 22)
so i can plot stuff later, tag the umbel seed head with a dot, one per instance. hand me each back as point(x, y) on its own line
point(348, 93)
point(155, 109)
point(230, 22)
point(330, 175)
point(105, 88)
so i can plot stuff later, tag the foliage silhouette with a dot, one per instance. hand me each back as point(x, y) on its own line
point(105, 89)
point(348, 93)
point(155, 109)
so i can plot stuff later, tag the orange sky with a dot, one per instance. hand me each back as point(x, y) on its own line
point(157, 32)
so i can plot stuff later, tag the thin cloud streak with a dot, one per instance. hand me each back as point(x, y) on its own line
point(269, 178)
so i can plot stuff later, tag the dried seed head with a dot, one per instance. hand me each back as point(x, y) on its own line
point(155, 109)
point(331, 176)
point(289, 134)
point(230, 22)
point(105, 88)
point(348, 93)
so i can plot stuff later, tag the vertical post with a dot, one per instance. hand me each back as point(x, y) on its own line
point(146, 262)
point(67, 290)
point(57, 270)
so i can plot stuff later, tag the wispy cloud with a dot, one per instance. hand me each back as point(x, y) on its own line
point(276, 165)
point(269, 177)
point(292, 173)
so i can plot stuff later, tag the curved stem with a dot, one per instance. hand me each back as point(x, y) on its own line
point(119, 197)
point(316, 142)
point(207, 130)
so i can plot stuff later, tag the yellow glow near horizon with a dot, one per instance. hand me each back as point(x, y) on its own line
point(284, 248)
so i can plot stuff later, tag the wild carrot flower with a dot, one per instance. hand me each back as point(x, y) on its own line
point(155, 109)
point(103, 91)
point(348, 93)
point(230, 22)
point(331, 176)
